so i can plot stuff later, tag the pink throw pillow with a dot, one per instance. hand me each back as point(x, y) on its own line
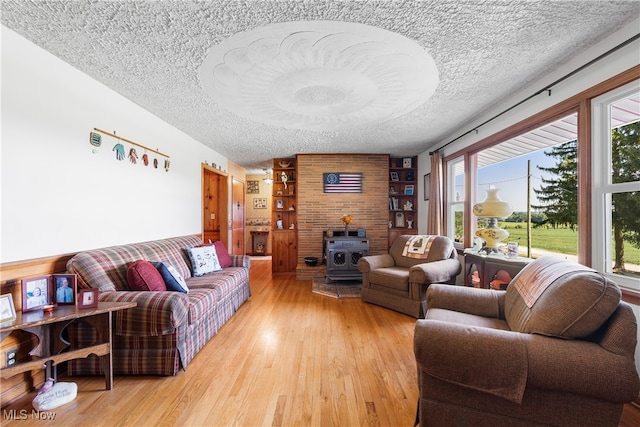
point(143, 276)
point(223, 256)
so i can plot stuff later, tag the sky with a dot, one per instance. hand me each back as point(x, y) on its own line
point(511, 178)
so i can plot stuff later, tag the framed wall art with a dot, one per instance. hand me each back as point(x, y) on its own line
point(36, 293)
point(253, 187)
point(427, 183)
point(64, 288)
point(259, 203)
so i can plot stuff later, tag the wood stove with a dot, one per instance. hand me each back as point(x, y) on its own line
point(342, 254)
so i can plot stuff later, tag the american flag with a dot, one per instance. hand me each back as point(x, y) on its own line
point(342, 182)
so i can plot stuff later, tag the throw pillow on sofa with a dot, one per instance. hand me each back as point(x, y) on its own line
point(223, 255)
point(172, 277)
point(204, 259)
point(143, 276)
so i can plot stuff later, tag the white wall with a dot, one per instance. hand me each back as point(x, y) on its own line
point(57, 195)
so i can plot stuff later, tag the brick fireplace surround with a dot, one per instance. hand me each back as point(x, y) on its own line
point(318, 211)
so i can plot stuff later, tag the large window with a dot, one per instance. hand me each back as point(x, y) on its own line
point(583, 186)
point(616, 184)
point(537, 174)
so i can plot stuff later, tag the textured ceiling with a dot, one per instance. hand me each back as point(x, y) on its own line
point(255, 80)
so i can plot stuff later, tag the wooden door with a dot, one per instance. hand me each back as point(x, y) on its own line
point(215, 198)
point(237, 218)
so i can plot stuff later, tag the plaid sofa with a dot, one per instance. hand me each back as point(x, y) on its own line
point(166, 329)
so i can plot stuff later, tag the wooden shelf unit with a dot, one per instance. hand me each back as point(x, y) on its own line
point(403, 197)
point(284, 217)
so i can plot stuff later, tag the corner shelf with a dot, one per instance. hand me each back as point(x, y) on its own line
point(403, 201)
point(284, 216)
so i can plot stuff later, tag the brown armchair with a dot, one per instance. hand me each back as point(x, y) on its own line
point(399, 280)
point(555, 348)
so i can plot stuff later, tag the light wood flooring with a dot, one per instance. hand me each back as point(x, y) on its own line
point(287, 358)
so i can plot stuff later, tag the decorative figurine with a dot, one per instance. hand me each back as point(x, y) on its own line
point(284, 178)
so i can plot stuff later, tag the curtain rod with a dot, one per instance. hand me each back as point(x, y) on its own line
point(545, 89)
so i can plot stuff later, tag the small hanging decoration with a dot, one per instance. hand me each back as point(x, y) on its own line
point(133, 156)
point(95, 139)
point(119, 149)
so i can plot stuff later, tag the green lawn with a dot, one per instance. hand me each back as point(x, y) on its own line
point(561, 240)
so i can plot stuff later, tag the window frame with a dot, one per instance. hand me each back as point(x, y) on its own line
point(602, 188)
point(579, 103)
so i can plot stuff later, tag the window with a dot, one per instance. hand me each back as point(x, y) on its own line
point(607, 173)
point(455, 200)
point(616, 185)
point(535, 172)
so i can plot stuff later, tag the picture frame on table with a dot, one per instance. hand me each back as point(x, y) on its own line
point(427, 183)
point(408, 190)
point(406, 162)
point(279, 204)
point(394, 176)
point(7, 309)
point(64, 288)
point(88, 298)
point(36, 293)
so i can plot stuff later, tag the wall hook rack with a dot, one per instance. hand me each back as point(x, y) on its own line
point(131, 142)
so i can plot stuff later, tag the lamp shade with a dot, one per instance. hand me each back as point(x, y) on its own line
point(492, 206)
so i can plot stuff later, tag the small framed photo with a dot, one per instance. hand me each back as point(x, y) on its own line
point(406, 162)
point(279, 204)
point(88, 298)
point(64, 288)
point(36, 293)
point(7, 309)
point(259, 203)
point(408, 190)
point(394, 176)
point(427, 183)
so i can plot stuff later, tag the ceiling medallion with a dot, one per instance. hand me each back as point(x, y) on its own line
point(319, 75)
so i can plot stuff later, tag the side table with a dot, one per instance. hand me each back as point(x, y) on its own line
point(494, 271)
point(50, 350)
point(259, 242)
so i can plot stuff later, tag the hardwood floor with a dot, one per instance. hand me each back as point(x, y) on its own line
point(287, 358)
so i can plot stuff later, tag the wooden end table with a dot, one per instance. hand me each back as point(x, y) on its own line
point(488, 267)
point(48, 327)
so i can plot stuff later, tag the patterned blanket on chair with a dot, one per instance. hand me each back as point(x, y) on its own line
point(418, 247)
point(539, 275)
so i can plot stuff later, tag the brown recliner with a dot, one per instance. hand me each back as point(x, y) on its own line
point(555, 348)
point(399, 280)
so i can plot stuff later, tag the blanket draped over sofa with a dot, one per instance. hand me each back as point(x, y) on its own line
point(167, 328)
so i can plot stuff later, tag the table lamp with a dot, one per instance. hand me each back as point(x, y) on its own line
point(493, 209)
